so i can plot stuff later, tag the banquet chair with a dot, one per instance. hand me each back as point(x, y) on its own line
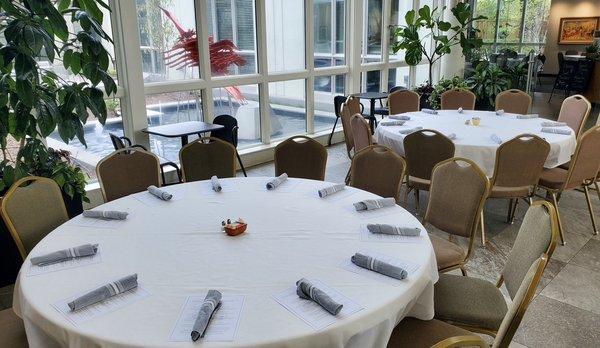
point(385, 110)
point(513, 101)
point(338, 100)
point(361, 132)
point(12, 332)
point(228, 133)
point(121, 142)
point(411, 332)
point(458, 98)
point(582, 172)
point(574, 111)
point(379, 170)
point(423, 150)
point(351, 107)
point(478, 305)
point(403, 101)
point(205, 157)
point(127, 171)
point(519, 164)
point(301, 157)
point(22, 208)
point(457, 193)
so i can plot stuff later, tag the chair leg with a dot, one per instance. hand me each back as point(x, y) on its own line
point(463, 271)
point(510, 205)
point(408, 189)
point(482, 228)
point(347, 180)
point(332, 131)
point(590, 208)
point(417, 202)
point(560, 228)
point(597, 189)
point(241, 164)
point(512, 216)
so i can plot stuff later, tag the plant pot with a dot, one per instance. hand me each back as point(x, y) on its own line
point(74, 205)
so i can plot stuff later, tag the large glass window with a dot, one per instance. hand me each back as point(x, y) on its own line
point(399, 77)
point(329, 26)
point(326, 88)
point(287, 108)
point(285, 35)
point(246, 110)
point(373, 30)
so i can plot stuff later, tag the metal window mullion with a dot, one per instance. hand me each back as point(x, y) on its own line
point(385, 44)
point(412, 71)
point(202, 33)
point(354, 44)
point(309, 45)
point(497, 26)
point(263, 71)
point(522, 34)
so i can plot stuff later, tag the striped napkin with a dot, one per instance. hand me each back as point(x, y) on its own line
point(212, 302)
point(306, 290)
point(526, 117)
point(391, 123)
point(378, 266)
point(65, 254)
point(104, 292)
point(429, 111)
point(410, 130)
point(216, 184)
point(553, 124)
point(275, 182)
point(399, 117)
point(394, 230)
point(327, 191)
point(556, 130)
point(105, 214)
point(162, 194)
point(373, 204)
point(495, 138)
point(500, 112)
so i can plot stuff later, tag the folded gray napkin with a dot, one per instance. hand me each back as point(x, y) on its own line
point(65, 254)
point(277, 181)
point(212, 302)
point(553, 124)
point(525, 117)
point(308, 291)
point(500, 112)
point(391, 123)
point(460, 110)
point(372, 204)
point(451, 136)
point(429, 111)
point(216, 184)
point(410, 130)
point(394, 230)
point(104, 292)
point(496, 139)
point(378, 266)
point(105, 214)
point(162, 194)
point(400, 117)
point(556, 130)
point(327, 191)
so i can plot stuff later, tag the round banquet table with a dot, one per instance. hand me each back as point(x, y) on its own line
point(177, 249)
point(475, 143)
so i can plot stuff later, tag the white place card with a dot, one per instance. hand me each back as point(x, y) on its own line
point(73, 263)
point(101, 308)
point(226, 187)
point(82, 221)
point(222, 327)
point(410, 267)
point(367, 236)
point(286, 187)
point(152, 201)
point(372, 214)
point(311, 312)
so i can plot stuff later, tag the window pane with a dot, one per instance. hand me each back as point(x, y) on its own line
point(340, 26)
point(246, 111)
point(536, 21)
point(372, 29)
point(163, 58)
point(509, 24)
point(326, 87)
point(285, 35)
point(323, 26)
point(398, 77)
point(372, 81)
point(487, 26)
point(399, 9)
point(422, 74)
point(96, 136)
point(169, 108)
point(232, 21)
point(288, 108)
point(326, 27)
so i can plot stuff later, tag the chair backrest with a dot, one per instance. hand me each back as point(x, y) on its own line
point(346, 115)
point(520, 302)
point(338, 100)
point(572, 52)
point(354, 105)
point(229, 131)
point(513, 101)
point(424, 149)
point(586, 160)
point(458, 98)
point(397, 88)
point(520, 161)
point(117, 141)
point(457, 194)
point(379, 170)
point(361, 132)
point(127, 171)
point(403, 101)
point(537, 236)
point(32, 208)
point(301, 157)
point(574, 111)
point(205, 157)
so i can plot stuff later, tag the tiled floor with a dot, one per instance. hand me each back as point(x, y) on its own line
point(566, 309)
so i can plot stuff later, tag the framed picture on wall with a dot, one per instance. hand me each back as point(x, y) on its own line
point(577, 30)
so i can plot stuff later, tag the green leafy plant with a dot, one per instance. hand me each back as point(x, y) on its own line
point(34, 100)
point(517, 75)
point(593, 48)
point(486, 82)
point(429, 24)
point(444, 85)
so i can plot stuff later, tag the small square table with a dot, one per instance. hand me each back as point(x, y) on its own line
point(182, 130)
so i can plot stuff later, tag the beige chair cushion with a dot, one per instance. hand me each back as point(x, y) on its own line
point(447, 254)
point(12, 331)
point(553, 178)
point(469, 301)
point(417, 333)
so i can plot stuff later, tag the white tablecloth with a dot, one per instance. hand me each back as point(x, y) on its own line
point(178, 250)
point(475, 143)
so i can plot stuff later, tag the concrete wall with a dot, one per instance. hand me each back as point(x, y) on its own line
point(565, 8)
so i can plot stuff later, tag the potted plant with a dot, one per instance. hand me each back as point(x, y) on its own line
point(487, 81)
point(35, 101)
point(444, 85)
point(428, 24)
point(592, 51)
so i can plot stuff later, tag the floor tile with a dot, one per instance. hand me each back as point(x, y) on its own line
point(576, 286)
point(589, 256)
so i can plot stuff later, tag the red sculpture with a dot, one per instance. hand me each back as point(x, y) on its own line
point(184, 54)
